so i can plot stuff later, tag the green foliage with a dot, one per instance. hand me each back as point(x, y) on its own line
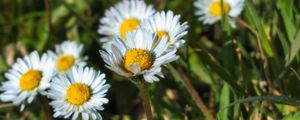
point(223, 64)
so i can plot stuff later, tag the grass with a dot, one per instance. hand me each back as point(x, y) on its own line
point(225, 66)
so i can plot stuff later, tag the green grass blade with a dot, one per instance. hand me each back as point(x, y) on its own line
point(295, 46)
point(198, 68)
point(270, 99)
point(286, 12)
point(224, 101)
point(218, 69)
point(253, 19)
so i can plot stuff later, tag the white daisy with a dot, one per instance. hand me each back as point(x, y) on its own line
point(167, 24)
point(210, 11)
point(141, 53)
point(27, 78)
point(67, 55)
point(124, 16)
point(81, 91)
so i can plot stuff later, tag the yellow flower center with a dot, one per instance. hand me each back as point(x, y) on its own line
point(216, 8)
point(78, 93)
point(161, 33)
point(142, 57)
point(30, 80)
point(65, 62)
point(128, 25)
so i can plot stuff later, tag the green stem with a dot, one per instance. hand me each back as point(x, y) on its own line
point(48, 11)
point(144, 94)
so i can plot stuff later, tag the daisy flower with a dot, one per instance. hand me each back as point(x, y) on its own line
point(67, 55)
point(124, 16)
point(27, 77)
point(81, 91)
point(140, 54)
point(210, 11)
point(167, 24)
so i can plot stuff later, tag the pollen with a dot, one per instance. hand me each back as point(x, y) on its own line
point(216, 8)
point(128, 25)
point(161, 33)
point(141, 57)
point(78, 93)
point(30, 80)
point(65, 62)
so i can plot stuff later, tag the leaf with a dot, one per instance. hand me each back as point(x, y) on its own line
point(218, 69)
point(294, 49)
point(59, 13)
point(286, 12)
point(224, 101)
point(3, 67)
point(284, 42)
point(198, 68)
point(295, 72)
point(295, 116)
point(43, 34)
point(270, 99)
point(81, 20)
point(253, 19)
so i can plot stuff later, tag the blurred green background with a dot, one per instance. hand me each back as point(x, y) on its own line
point(223, 64)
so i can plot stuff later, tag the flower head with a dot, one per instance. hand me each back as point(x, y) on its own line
point(81, 91)
point(124, 16)
point(210, 11)
point(140, 54)
point(67, 55)
point(167, 24)
point(27, 77)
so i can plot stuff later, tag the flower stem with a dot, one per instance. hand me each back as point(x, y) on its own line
point(46, 107)
point(144, 94)
point(48, 12)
